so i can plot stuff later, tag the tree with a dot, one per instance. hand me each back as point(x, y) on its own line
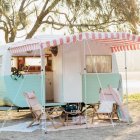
point(22, 18)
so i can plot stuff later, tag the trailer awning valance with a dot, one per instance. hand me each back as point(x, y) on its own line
point(119, 41)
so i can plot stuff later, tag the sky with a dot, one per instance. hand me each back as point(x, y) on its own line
point(49, 31)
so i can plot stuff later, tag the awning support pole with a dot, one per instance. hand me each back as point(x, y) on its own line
point(85, 88)
point(43, 83)
point(126, 88)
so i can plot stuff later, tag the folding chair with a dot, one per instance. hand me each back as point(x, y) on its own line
point(38, 112)
point(105, 108)
point(110, 95)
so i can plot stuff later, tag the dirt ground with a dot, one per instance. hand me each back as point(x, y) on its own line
point(122, 131)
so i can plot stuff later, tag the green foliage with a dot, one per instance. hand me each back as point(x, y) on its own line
point(18, 16)
point(5, 5)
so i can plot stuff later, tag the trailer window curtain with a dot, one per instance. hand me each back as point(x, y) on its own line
point(0, 65)
point(99, 63)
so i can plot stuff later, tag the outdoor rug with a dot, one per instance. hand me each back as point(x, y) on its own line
point(22, 127)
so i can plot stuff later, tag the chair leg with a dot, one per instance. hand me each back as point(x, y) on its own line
point(80, 119)
point(31, 123)
point(67, 117)
point(35, 119)
point(111, 120)
point(51, 120)
point(93, 117)
point(61, 121)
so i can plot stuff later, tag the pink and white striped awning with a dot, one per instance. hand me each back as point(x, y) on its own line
point(118, 41)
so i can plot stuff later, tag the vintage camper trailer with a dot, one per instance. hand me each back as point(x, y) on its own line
point(62, 69)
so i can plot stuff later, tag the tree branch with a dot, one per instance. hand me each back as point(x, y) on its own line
point(76, 24)
point(41, 17)
point(22, 5)
point(28, 3)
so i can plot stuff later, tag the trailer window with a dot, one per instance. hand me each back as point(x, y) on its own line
point(30, 63)
point(99, 63)
point(0, 65)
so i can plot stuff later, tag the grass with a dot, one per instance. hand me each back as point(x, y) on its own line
point(133, 97)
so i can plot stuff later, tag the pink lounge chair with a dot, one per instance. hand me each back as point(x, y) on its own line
point(38, 112)
point(111, 94)
point(108, 105)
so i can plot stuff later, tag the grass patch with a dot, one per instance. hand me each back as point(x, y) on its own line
point(133, 97)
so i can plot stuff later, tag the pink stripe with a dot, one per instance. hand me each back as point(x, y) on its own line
point(61, 41)
point(139, 39)
point(54, 43)
point(41, 46)
point(113, 49)
point(67, 39)
point(120, 48)
point(131, 47)
point(133, 37)
point(48, 43)
point(74, 38)
point(116, 48)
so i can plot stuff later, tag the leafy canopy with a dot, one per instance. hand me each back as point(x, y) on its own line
point(23, 18)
